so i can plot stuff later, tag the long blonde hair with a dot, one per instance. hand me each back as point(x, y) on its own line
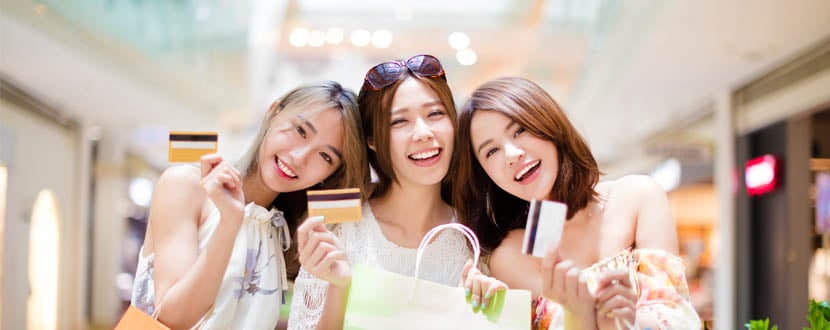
point(352, 173)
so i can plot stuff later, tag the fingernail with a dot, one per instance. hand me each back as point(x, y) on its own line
point(475, 303)
point(487, 295)
point(467, 292)
point(484, 305)
point(317, 218)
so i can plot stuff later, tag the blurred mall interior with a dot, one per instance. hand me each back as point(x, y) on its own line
point(690, 92)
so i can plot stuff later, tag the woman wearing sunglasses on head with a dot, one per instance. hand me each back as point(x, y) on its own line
point(517, 145)
point(213, 253)
point(409, 119)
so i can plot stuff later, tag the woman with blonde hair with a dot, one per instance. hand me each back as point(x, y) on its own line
point(213, 253)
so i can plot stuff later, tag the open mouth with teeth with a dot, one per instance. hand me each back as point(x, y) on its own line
point(285, 170)
point(527, 171)
point(426, 157)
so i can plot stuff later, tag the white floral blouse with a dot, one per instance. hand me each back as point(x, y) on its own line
point(252, 289)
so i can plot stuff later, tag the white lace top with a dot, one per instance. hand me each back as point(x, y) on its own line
point(252, 288)
point(365, 243)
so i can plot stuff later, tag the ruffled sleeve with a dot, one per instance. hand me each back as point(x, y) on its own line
point(307, 302)
point(664, 292)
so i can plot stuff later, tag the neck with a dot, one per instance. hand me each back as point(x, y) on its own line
point(413, 208)
point(256, 191)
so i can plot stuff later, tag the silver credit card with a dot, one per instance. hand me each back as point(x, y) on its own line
point(545, 221)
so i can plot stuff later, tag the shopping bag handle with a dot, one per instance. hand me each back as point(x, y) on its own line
point(468, 233)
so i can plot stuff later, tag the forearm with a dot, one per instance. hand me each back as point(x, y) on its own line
point(189, 298)
point(335, 308)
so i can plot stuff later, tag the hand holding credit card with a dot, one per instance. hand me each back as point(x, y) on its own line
point(188, 147)
point(545, 221)
point(335, 205)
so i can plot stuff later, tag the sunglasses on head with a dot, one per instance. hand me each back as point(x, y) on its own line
point(385, 74)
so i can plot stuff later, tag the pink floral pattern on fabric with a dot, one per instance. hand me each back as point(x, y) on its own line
point(664, 293)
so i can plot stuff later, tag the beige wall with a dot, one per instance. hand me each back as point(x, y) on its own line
point(41, 155)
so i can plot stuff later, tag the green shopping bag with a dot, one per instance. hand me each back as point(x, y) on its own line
point(379, 299)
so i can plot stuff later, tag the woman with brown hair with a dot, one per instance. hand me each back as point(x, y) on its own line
point(518, 145)
point(409, 118)
point(213, 254)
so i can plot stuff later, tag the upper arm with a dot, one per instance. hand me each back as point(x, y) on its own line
point(509, 265)
point(655, 224)
point(174, 219)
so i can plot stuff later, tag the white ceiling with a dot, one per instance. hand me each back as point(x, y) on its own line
point(623, 69)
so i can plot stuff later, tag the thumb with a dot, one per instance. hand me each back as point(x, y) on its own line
point(209, 162)
point(466, 271)
point(552, 257)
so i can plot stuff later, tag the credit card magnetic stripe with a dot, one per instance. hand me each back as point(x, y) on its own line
point(336, 205)
point(534, 226)
point(190, 146)
point(316, 197)
point(200, 137)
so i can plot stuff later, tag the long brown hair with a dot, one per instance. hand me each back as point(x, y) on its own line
point(376, 111)
point(480, 203)
point(352, 172)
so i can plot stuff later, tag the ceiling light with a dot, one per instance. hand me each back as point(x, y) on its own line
point(361, 38)
point(382, 39)
point(466, 56)
point(316, 38)
point(459, 40)
point(298, 37)
point(334, 36)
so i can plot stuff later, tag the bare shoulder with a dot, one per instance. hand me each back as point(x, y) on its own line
point(179, 177)
point(179, 187)
point(509, 248)
point(655, 225)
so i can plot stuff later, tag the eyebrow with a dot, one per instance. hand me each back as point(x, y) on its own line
point(486, 142)
point(424, 105)
point(336, 152)
point(304, 121)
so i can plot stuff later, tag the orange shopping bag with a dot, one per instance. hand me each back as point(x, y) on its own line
point(135, 319)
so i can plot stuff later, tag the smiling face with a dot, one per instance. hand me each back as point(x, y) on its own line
point(421, 135)
point(299, 152)
point(519, 162)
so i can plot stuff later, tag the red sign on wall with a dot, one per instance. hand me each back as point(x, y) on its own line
point(760, 175)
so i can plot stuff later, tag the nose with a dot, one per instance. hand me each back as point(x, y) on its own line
point(300, 155)
point(421, 131)
point(512, 154)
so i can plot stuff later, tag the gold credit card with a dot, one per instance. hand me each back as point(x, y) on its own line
point(335, 205)
point(191, 146)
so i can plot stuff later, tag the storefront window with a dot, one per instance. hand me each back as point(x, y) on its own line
point(43, 263)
